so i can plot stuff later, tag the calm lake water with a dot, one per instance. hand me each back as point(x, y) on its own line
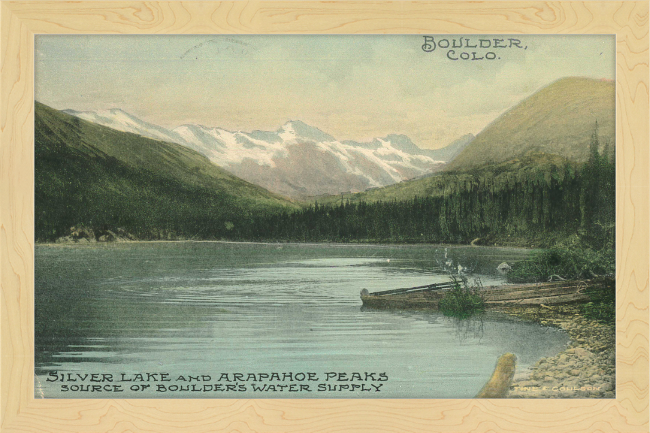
point(193, 314)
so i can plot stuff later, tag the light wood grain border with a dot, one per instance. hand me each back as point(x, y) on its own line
point(20, 412)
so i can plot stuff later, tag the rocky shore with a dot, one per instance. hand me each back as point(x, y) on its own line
point(586, 369)
point(83, 235)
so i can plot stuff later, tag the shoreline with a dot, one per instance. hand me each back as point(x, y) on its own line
point(585, 369)
point(85, 243)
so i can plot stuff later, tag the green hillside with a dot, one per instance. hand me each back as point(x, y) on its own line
point(445, 183)
point(547, 130)
point(559, 120)
point(93, 176)
point(539, 200)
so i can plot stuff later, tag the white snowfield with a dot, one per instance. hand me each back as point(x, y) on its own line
point(296, 160)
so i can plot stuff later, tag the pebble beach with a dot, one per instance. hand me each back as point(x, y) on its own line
point(586, 369)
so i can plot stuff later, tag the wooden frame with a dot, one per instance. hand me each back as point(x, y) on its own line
point(21, 412)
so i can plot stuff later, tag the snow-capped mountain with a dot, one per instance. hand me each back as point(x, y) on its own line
point(125, 122)
point(297, 160)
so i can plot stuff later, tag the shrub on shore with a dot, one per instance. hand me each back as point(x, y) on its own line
point(566, 264)
point(602, 303)
point(604, 312)
point(573, 264)
point(462, 301)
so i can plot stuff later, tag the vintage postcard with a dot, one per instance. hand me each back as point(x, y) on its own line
point(325, 216)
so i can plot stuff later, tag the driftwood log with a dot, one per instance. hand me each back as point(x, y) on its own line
point(499, 384)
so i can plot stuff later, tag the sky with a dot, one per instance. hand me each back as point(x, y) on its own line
point(433, 89)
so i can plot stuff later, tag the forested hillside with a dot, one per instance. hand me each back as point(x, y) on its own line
point(539, 200)
point(101, 179)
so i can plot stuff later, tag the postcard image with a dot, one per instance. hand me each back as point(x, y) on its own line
point(331, 216)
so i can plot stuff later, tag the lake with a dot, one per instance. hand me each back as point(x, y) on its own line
point(252, 320)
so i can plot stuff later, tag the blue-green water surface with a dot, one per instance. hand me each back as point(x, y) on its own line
point(196, 313)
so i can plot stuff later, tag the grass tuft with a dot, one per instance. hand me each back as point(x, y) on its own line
point(462, 301)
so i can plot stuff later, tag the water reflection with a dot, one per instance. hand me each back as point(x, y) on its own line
point(468, 328)
point(471, 328)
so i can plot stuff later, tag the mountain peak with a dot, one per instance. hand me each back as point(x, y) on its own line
point(118, 111)
point(558, 119)
point(302, 130)
point(403, 143)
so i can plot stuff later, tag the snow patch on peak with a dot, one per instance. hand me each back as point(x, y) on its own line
point(296, 129)
point(297, 159)
point(228, 149)
point(120, 120)
point(403, 143)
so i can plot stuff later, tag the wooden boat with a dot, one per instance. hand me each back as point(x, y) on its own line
point(428, 297)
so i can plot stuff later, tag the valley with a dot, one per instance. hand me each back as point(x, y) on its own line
point(541, 174)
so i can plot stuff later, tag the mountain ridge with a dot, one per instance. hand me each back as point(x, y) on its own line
point(558, 119)
point(276, 159)
point(551, 128)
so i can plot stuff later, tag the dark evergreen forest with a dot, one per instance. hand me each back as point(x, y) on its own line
point(92, 181)
point(531, 205)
